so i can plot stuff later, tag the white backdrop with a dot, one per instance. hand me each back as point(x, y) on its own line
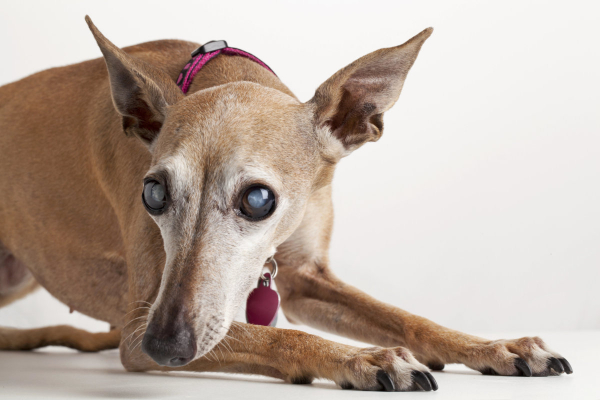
point(478, 208)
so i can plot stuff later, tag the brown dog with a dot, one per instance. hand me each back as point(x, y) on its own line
point(171, 274)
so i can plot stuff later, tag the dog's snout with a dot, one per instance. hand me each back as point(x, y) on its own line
point(174, 346)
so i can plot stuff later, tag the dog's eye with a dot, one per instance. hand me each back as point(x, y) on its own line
point(258, 202)
point(154, 197)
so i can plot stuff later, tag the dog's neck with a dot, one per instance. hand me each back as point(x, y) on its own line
point(204, 54)
point(226, 69)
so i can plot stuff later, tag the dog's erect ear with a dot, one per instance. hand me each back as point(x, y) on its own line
point(141, 93)
point(351, 103)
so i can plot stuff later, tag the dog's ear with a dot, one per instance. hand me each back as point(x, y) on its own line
point(351, 103)
point(141, 93)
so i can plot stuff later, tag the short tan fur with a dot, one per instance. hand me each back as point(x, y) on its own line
point(76, 144)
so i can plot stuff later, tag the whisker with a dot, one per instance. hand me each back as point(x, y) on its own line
point(134, 340)
point(224, 341)
point(137, 344)
point(140, 301)
point(206, 355)
point(230, 350)
point(131, 334)
point(143, 316)
point(244, 344)
point(215, 354)
point(222, 355)
point(135, 310)
point(140, 342)
point(242, 327)
point(231, 337)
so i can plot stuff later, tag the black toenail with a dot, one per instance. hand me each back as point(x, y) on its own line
point(434, 384)
point(384, 380)
point(523, 367)
point(421, 380)
point(566, 365)
point(555, 365)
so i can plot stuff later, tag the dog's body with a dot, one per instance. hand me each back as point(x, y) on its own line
point(72, 221)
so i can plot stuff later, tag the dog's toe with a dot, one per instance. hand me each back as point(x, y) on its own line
point(385, 369)
point(528, 356)
point(566, 365)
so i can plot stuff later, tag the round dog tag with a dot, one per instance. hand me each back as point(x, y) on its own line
point(262, 304)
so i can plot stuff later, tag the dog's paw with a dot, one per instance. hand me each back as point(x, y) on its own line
point(389, 369)
point(528, 356)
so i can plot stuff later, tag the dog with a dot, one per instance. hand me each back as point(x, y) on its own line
point(232, 173)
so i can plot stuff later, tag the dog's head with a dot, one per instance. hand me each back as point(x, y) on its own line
point(233, 167)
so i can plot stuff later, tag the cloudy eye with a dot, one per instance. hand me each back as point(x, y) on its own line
point(154, 197)
point(258, 202)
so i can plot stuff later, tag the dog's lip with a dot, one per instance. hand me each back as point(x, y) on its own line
point(210, 337)
point(206, 347)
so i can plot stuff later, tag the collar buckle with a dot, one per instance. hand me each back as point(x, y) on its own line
point(208, 47)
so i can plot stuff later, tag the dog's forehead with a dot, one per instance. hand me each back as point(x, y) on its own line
point(241, 123)
point(239, 113)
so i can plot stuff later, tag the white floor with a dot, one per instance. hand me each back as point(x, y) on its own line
point(58, 374)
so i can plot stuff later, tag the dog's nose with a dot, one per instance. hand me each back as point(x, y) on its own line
point(170, 347)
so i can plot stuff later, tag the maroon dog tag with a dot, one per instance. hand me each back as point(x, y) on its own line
point(262, 304)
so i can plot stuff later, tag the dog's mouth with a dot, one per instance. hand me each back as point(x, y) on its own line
point(175, 339)
point(180, 347)
point(176, 334)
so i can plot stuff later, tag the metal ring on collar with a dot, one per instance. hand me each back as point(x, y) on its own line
point(273, 271)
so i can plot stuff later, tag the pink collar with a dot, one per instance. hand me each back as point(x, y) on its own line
point(204, 54)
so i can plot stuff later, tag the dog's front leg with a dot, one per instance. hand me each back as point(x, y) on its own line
point(298, 357)
point(294, 356)
point(311, 294)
